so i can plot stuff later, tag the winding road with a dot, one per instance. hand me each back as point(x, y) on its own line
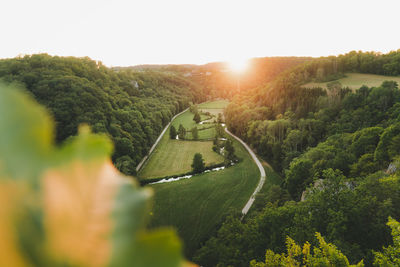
point(249, 203)
point(140, 165)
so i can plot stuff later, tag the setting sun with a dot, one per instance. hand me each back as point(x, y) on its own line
point(238, 65)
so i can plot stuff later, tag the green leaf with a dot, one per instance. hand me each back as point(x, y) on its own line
point(132, 246)
point(86, 146)
point(85, 214)
point(26, 135)
point(163, 242)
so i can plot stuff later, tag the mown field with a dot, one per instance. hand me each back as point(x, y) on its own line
point(356, 80)
point(196, 206)
point(212, 111)
point(176, 156)
point(206, 131)
point(186, 119)
point(219, 104)
point(214, 108)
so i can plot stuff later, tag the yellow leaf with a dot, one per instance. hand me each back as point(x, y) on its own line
point(78, 202)
point(10, 196)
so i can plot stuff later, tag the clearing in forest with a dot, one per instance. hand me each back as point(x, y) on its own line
point(197, 205)
point(219, 104)
point(356, 80)
point(175, 157)
point(214, 108)
point(172, 157)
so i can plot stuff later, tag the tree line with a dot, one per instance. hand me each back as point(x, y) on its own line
point(130, 107)
point(217, 79)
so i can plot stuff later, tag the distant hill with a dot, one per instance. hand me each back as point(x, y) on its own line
point(218, 80)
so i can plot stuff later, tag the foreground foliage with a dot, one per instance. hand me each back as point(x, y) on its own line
point(69, 206)
point(327, 254)
point(324, 255)
point(391, 254)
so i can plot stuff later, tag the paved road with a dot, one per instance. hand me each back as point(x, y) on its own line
point(249, 203)
point(140, 165)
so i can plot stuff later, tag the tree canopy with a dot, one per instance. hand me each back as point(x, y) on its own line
point(130, 107)
point(333, 149)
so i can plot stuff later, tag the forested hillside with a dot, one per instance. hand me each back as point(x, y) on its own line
point(338, 152)
point(266, 116)
point(130, 107)
point(219, 80)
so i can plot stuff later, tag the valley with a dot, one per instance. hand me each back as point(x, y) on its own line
point(293, 161)
point(197, 205)
point(172, 156)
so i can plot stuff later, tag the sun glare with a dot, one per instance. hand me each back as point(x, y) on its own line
point(238, 65)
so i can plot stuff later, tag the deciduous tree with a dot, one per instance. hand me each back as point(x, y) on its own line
point(196, 117)
point(172, 132)
point(198, 163)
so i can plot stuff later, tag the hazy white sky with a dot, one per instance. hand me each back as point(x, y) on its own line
point(119, 32)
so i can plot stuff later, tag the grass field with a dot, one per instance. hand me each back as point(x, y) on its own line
point(213, 111)
point(356, 80)
point(219, 104)
point(175, 156)
point(195, 206)
point(204, 134)
point(186, 119)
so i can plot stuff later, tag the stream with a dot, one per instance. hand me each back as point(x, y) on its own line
point(168, 180)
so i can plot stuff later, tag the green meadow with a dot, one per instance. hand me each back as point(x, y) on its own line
point(356, 80)
point(196, 206)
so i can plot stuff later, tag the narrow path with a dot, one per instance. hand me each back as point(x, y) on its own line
point(249, 203)
point(140, 165)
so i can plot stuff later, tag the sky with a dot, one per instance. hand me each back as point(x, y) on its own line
point(125, 33)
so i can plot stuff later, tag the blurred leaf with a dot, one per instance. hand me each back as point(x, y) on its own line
point(77, 205)
point(26, 135)
point(80, 211)
point(10, 200)
point(85, 146)
point(164, 242)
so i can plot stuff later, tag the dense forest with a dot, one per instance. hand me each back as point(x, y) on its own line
point(218, 80)
point(338, 152)
point(130, 107)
